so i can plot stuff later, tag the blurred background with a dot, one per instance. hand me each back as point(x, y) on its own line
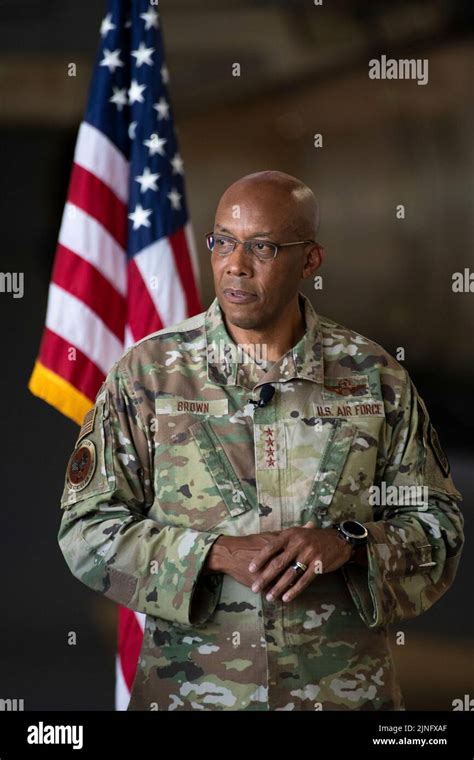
point(304, 70)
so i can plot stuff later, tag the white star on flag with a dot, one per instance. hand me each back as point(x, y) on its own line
point(175, 199)
point(143, 54)
point(140, 216)
point(106, 25)
point(111, 59)
point(147, 180)
point(177, 164)
point(155, 144)
point(135, 92)
point(165, 74)
point(119, 98)
point(151, 19)
point(132, 130)
point(162, 109)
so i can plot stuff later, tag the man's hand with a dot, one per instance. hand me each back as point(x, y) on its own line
point(233, 554)
point(271, 569)
point(262, 560)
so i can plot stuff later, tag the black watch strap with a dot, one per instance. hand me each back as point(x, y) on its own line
point(353, 532)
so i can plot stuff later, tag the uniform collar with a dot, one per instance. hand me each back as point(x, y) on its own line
point(229, 365)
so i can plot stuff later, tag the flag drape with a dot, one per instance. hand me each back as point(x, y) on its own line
point(125, 263)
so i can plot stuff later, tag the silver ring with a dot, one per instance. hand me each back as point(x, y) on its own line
point(299, 567)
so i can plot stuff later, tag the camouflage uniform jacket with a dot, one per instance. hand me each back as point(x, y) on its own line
point(174, 455)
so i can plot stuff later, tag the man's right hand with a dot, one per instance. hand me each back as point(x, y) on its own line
point(232, 555)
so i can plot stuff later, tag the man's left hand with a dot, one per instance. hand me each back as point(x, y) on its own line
point(308, 545)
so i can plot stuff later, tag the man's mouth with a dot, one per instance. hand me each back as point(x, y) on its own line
point(238, 296)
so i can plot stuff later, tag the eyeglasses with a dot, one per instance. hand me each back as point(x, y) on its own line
point(263, 250)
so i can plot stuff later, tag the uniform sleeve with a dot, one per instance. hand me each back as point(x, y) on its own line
point(414, 548)
point(107, 539)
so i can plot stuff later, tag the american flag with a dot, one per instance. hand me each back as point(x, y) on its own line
point(125, 262)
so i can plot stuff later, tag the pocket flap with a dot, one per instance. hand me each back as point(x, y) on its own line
point(332, 463)
point(220, 468)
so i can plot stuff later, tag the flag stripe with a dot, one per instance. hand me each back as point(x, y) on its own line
point(122, 691)
point(82, 329)
point(55, 390)
point(157, 267)
point(129, 338)
point(84, 281)
point(143, 317)
point(184, 267)
point(96, 153)
point(130, 637)
point(55, 355)
point(84, 235)
point(90, 194)
point(193, 254)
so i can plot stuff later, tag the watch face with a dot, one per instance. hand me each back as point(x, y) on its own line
point(354, 529)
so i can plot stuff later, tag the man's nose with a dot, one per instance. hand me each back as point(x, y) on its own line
point(239, 262)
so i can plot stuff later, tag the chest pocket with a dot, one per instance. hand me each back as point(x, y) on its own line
point(195, 483)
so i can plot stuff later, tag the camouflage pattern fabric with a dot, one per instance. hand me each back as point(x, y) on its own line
point(174, 455)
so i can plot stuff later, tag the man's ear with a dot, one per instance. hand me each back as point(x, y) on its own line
point(313, 260)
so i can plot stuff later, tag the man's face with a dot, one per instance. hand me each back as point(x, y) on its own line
point(252, 293)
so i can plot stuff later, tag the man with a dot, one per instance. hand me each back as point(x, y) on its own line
point(226, 485)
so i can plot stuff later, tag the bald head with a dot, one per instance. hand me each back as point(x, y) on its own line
point(257, 294)
point(277, 195)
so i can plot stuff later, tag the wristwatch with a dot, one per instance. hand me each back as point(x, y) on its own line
point(353, 532)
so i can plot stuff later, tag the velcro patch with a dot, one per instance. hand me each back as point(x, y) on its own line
point(81, 467)
point(87, 424)
point(214, 407)
point(347, 386)
point(437, 450)
point(270, 446)
point(353, 410)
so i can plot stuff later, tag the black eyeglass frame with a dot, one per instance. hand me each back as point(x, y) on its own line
point(247, 244)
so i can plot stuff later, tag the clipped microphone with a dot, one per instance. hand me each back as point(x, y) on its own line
point(267, 392)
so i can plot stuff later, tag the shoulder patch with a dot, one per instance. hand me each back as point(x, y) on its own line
point(438, 451)
point(81, 466)
point(437, 467)
point(87, 424)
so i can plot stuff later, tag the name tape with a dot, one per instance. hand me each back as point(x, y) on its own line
point(365, 409)
point(215, 407)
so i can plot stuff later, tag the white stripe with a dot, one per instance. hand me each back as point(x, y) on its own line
point(96, 153)
point(86, 237)
point(77, 324)
point(157, 267)
point(141, 619)
point(191, 241)
point(129, 340)
point(122, 694)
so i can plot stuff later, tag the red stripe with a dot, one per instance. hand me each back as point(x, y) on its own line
point(130, 638)
point(94, 197)
point(184, 266)
point(82, 373)
point(83, 280)
point(142, 315)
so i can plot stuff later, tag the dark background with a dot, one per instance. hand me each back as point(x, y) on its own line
point(304, 71)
